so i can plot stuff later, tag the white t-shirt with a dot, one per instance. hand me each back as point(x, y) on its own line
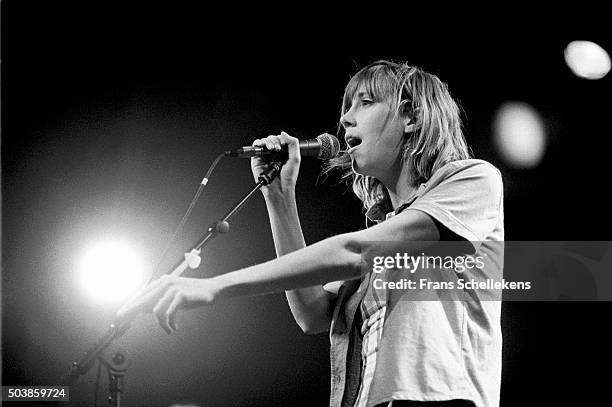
point(435, 350)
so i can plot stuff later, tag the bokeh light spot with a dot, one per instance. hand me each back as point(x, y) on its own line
point(587, 59)
point(110, 271)
point(519, 135)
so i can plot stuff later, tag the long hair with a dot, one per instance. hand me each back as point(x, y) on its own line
point(437, 138)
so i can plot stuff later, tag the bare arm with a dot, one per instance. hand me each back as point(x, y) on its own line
point(333, 259)
point(310, 306)
point(336, 258)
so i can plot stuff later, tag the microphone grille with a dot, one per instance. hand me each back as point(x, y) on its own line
point(330, 146)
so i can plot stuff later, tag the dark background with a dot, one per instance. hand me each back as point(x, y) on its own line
point(111, 115)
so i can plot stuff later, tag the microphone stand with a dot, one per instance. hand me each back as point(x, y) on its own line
point(116, 360)
point(121, 325)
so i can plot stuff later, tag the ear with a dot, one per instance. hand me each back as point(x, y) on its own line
point(409, 118)
point(409, 125)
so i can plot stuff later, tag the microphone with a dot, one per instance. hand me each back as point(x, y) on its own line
point(323, 147)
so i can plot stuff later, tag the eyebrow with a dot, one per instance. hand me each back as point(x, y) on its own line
point(361, 95)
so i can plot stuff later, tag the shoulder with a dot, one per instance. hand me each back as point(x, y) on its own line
point(472, 171)
point(463, 186)
point(466, 197)
point(467, 167)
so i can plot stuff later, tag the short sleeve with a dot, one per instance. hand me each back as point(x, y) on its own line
point(466, 197)
point(333, 287)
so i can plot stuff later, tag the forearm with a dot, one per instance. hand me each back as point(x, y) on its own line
point(332, 259)
point(285, 223)
point(310, 306)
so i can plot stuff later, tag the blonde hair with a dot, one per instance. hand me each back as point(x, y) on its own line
point(437, 138)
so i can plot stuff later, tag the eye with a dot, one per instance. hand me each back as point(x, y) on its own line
point(366, 99)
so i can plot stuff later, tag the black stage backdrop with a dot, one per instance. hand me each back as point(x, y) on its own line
point(110, 116)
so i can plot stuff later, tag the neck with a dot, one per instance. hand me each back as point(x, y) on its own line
point(400, 188)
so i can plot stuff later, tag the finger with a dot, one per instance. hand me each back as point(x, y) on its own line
point(146, 288)
point(129, 303)
point(173, 309)
point(257, 143)
point(269, 143)
point(160, 309)
point(146, 297)
point(130, 306)
point(292, 143)
point(276, 141)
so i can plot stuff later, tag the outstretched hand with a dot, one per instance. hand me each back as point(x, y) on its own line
point(166, 295)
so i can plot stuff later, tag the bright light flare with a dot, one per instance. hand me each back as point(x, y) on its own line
point(519, 135)
point(110, 271)
point(587, 59)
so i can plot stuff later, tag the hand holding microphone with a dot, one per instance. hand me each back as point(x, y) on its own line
point(323, 147)
point(285, 182)
point(289, 150)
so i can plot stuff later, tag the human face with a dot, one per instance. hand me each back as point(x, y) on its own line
point(374, 134)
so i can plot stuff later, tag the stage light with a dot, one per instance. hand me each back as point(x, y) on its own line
point(587, 59)
point(110, 271)
point(519, 135)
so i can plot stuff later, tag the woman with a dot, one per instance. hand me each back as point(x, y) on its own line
point(410, 167)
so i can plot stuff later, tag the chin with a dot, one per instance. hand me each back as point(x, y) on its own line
point(357, 169)
point(360, 169)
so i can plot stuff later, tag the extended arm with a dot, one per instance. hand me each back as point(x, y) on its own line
point(332, 259)
point(336, 258)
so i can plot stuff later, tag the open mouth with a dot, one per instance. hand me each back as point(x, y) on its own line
point(352, 142)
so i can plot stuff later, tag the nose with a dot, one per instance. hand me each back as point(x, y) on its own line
point(348, 119)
